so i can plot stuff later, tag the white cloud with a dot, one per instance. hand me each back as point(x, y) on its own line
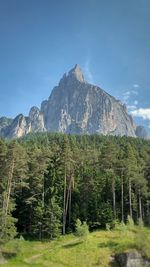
point(143, 113)
point(126, 96)
point(129, 94)
point(133, 92)
point(131, 107)
point(87, 71)
point(136, 85)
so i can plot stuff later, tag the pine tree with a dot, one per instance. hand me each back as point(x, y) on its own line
point(108, 158)
point(131, 172)
point(69, 164)
point(14, 180)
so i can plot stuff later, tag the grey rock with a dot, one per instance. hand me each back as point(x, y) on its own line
point(20, 126)
point(37, 120)
point(141, 132)
point(4, 123)
point(75, 107)
point(78, 107)
point(2, 259)
point(132, 259)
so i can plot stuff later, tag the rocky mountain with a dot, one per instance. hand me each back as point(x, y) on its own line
point(75, 107)
point(141, 132)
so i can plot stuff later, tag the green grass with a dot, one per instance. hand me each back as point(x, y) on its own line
point(70, 251)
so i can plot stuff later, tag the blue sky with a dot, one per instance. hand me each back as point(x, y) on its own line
point(42, 39)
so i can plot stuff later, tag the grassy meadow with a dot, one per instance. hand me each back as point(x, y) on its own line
point(70, 251)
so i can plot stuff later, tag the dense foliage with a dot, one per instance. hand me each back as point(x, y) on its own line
point(48, 181)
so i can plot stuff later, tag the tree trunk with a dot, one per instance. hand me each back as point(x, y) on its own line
point(64, 210)
point(130, 198)
point(148, 212)
point(114, 197)
point(8, 192)
point(122, 199)
point(68, 194)
point(143, 210)
point(140, 205)
point(70, 206)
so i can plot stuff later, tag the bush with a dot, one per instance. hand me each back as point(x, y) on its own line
point(107, 226)
point(142, 242)
point(140, 223)
point(115, 223)
point(130, 223)
point(21, 238)
point(82, 230)
point(118, 226)
point(8, 231)
point(121, 227)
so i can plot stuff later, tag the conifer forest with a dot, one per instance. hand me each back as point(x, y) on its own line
point(48, 181)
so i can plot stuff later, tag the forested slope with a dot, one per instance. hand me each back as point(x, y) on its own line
point(47, 181)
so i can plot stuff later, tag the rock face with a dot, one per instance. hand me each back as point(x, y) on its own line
point(75, 107)
point(37, 120)
point(131, 259)
point(4, 123)
point(141, 132)
point(2, 259)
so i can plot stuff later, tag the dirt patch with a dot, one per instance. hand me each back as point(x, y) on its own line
point(33, 258)
point(2, 259)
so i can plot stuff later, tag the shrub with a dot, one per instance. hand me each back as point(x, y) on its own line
point(142, 242)
point(130, 223)
point(21, 238)
point(82, 230)
point(115, 223)
point(140, 223)
point(108, 226)
point(121, 227)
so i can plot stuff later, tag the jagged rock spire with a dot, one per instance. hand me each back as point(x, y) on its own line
point(75, 107)
point(77, 73)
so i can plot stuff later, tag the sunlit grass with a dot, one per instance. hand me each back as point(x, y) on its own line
point(71, 251)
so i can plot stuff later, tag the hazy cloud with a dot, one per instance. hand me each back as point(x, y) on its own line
point(131, 107)
point(143, 113)
point(136, 85)
point(133, 92)
point(128, 94)
point(88, 72)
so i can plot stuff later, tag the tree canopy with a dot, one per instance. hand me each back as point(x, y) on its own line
point(48, 181)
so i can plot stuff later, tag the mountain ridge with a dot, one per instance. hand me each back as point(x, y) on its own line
point(75, 107)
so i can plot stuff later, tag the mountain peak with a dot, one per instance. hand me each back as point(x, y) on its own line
point(76, 72)
point(75, 107)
